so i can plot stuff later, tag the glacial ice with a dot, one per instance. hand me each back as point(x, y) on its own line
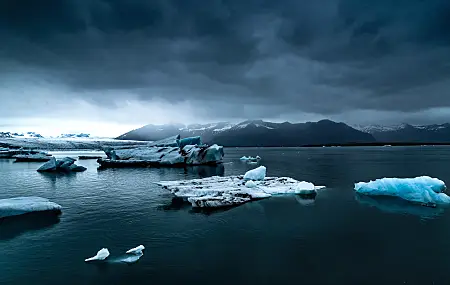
point(37, 157)
point(190, 141)
point(173, 141)
point(102, 254)
point(422, 190)
point(24, 205)
point(164, 155)
point(66, 164)
point(258, 173)
point(131, 258)
point(250, 158)
point(214, 192)
point(136, 250)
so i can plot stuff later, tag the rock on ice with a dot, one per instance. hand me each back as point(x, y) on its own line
point(423, 189)
point(24, 205)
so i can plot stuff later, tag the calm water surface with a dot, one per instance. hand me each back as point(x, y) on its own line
point(338, 238)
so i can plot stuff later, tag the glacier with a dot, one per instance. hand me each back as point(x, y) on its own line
point(24, 205)
point(423, 190)
point(216, 191)
point(168, 152)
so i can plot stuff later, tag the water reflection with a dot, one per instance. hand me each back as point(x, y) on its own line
point(305, 200)
point(15, 226)
point(177, 204)
point(204, 171)
point(399, 206)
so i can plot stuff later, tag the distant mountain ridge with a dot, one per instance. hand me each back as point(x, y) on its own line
point(436, 133)
point(257, 133)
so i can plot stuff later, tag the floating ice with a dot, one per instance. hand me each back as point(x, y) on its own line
point(163, 156)
point(24, 205)
point(131, 258)
point(136, 250)
point(102, 254)
point(218, 191)
point(250, 158)
point(258, 173)
point(62, 165)
point(37, 157)
point(423, 189)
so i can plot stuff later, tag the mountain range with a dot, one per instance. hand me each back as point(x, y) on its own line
point(324, 132)
point(257, 133)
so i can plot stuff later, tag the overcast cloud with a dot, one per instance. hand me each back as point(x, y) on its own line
point(126, 63)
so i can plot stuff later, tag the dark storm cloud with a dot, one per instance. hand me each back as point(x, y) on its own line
point(323, 57)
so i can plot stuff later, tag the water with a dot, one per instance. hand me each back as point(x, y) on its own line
point(337, 239)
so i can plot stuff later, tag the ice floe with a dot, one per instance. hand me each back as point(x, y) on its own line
point(424, 190)
point(214, 192)
point(24, 205)
point(102, 254)
point(37, 157)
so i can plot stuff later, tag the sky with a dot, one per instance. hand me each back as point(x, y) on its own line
point(107, 66)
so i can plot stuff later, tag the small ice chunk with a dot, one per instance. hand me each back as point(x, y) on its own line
point(102, 254)
point(136, 250)
point(250, 184)
point(132, 258)
point(305, 188)
point(423, 189)
point(258, 173)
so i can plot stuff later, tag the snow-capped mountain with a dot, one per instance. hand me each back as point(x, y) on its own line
point(20, 135)
point(256, 133)
point(409, 133)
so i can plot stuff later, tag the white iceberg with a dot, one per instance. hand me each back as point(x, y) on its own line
point(24, 205)
point(136, 250)
point(250, 184)
point(258, 173)
point(422, 190)
point(102, 254)
point(214, 192)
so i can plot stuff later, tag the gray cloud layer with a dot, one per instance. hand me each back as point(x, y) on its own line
point(260, 58)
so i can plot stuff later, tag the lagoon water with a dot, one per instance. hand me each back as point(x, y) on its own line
point(338, 238)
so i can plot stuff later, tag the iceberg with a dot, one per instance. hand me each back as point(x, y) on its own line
point(38, 157)
point(136, 250)
point(190, 141)
point(66, 164)
point(215, 192)
point(24, 205)
point(102, 254)
point(250, 159)
point(167, 155)
point(258, 173)
point(422, 190)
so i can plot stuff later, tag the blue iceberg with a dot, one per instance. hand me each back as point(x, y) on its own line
point(423, 190)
